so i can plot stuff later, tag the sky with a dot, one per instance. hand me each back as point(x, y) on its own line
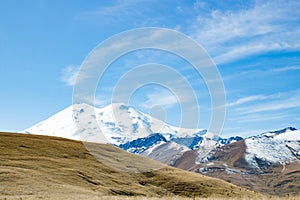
point(254, 44)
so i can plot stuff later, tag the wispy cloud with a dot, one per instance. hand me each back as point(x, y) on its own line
point(265, 111)
point(247, 100)
point(288, 68)
point(116, 9)
point(72, 75)
point(161, 98)
point(69, 75)
point(292, 102)
point(137, 12)
point(255, 117)
point(276, 102)
point(238, 51)
point(230, 35)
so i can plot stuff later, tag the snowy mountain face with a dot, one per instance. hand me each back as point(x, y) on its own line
point(260, 152)
point(127, 128)
point(115, 123)
point(273, 147)
point(256, 154)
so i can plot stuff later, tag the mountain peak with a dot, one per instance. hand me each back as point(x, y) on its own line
point(117, 122)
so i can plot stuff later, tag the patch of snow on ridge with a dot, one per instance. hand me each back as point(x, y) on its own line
point(289, 136)
point(150, 150)
point(276, 149)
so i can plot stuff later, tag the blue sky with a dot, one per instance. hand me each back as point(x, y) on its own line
point(255, 45)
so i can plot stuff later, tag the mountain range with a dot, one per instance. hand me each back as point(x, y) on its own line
point(117, 122)
point(242, 161)
point(123, 126)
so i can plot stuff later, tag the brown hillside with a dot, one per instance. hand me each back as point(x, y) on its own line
point(47, 167)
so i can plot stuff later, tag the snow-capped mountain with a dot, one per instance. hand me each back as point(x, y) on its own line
point(115, 123)
point(266, 162)
point(256, 154)
point(259, 152)
point(273, 147)
point(129, 129)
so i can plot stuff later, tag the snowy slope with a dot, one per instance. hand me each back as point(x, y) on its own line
point(273, 147)
point(60, 124)
point(115, 123)
point(288, 136)
point(129, 129)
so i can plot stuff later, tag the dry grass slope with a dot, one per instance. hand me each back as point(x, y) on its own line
point(33, 166)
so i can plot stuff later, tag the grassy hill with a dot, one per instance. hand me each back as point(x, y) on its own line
point(40, 167)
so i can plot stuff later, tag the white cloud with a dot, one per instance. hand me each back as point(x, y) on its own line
point(72, 75)
point(247, 99)
point(69, 75)
point(138, 12)
point(115, 9)
point(260, 117)
point(230, 35)
point(161, 98)
point(263, 109)
point(288, 68)
point(277, 105)
point(277, 102)
point(238, 51)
